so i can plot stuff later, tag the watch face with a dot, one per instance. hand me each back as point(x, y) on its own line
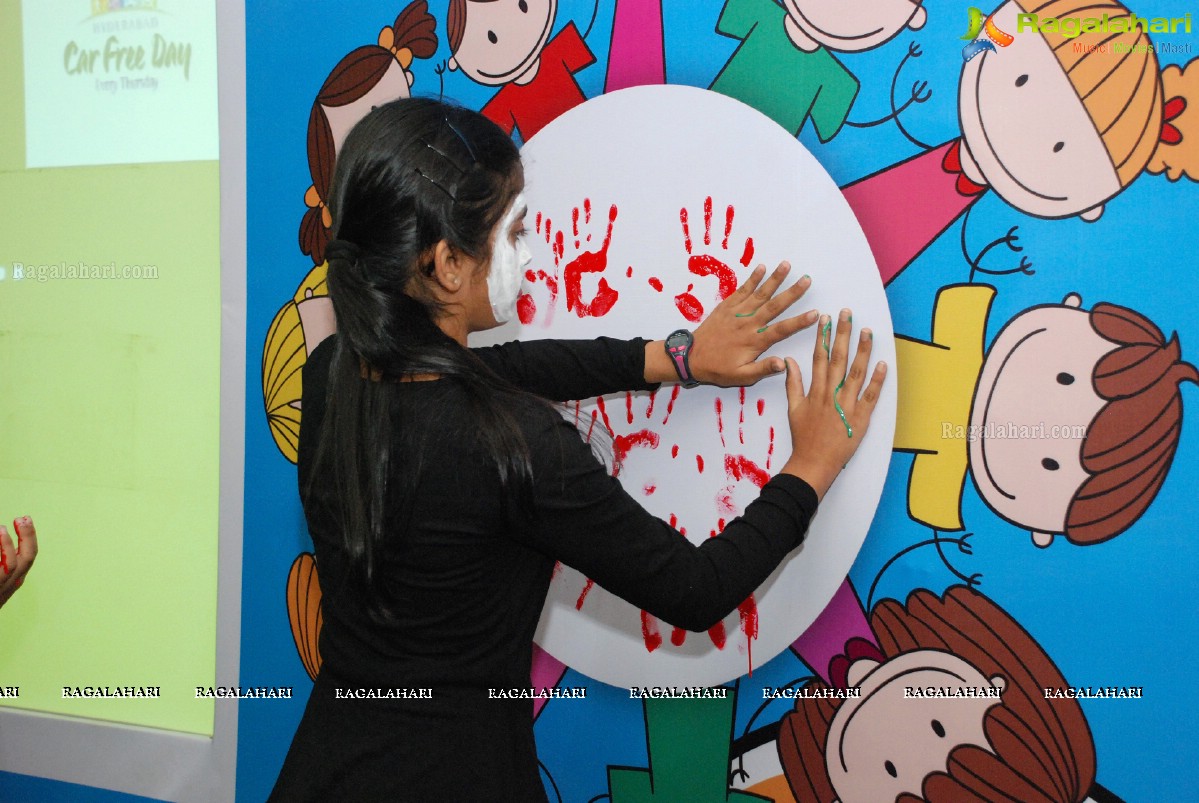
point(679, 338)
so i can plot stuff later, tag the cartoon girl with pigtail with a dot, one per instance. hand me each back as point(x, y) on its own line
point(1003, 738)
point(496, 44)
point(1056, 125)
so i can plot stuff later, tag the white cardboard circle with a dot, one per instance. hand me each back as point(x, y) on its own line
point(651, 152)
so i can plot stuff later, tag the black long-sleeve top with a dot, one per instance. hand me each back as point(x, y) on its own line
point(468, 579)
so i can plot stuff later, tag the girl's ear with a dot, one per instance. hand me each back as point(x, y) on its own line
point(1092, 214)
point(453, 63)
point(449, 266)
point(410, 77)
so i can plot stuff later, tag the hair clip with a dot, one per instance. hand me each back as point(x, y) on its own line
point(435, 183)
point(474, 159)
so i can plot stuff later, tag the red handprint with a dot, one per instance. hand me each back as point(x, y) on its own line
point(589, 262)
point(526, 306)
point(708, 265)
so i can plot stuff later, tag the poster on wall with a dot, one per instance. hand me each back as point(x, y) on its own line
point(138, 75)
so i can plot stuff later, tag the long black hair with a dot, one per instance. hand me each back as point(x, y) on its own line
point(412, 173)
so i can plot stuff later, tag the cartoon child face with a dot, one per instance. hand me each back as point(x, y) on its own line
point(503, 40)
point(1031, 410)
point(393, 85)
point(1027, 131)
point(854, 25)
point(883, 744)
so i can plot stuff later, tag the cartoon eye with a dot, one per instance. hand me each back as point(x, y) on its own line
point(1057, 148)
point(491, 37)
point(1050, 464)
point(523, 6)
point(1065, 379)
point(1022, 80)
point(938, 728)
point(890, 768)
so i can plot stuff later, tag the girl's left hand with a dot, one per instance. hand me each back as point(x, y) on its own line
point(729, 342)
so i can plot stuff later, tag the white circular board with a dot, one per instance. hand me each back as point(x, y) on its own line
point(642, 160)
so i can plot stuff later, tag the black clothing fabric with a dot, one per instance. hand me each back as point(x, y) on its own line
point(467, 576)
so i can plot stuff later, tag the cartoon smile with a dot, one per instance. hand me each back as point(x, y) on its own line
point(814, 27)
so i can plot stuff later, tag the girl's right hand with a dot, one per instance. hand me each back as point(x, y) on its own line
point(829, 421)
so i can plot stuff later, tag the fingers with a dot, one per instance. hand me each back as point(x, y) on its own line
point(820, 357)
point(857, 370)
point(26, 539)
point(795, 389)
point(839, 360)
point(8, 555)
point(771, 308)
point(748, 286)
point(781, 330)
point(873, 390)
point(768, 288)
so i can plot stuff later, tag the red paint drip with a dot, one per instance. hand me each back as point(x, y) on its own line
point(720, 525)
point(741, 418)
point(747, 256)
point(549, 224)
point(748, 611)
point(603, 411)
point(655, 283)
point(537, 226)
point(739, 467)
point(623, 444)
point(686, 228)
point(578, 408)
point(720, 419)
point(649, 632)
point(716, 633)
point(674, 450)
point(770, 449)
point(761, 406)
point(628, 405)
point(591, 262)
point(591, 428)
point(699, 463)
point(574, 222)
point(728, 226)
point(526, 309)
point(689, 306)
point(708, 220)
point(649, 409)
point(705, 265)
point(678, 636)
point(629, 272)
point(674, 394)
point(583, 594)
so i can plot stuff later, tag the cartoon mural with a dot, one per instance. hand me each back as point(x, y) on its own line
point(1045, 135)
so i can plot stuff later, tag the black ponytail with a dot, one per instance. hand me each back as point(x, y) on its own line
point(411, 174)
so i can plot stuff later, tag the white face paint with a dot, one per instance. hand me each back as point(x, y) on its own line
point(508, 263)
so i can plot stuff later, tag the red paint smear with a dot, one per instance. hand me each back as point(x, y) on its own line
point(583, 596)
point(770, 449)
point(603, 411)
point(674, 521)
point(574, 220)
point(747, 256)
point(728, 226)
point(587, 212)
point(537, 226)
point(629, 272)
point(761, 406)
point(4, 562)
point(549, 224)
point(690, 307)
point(559, 248)
point(578, 406)
point(649, 632)
point(623, 444)
point(557, 569)
point(591, 428)
point(741, 418)
point(708, 220)
point(724, 501)
point(526, 308)
point(699, 463)
point(720, 419)
point(674, 394)
point(674, 450)
point(686, 229)
point(748, 611)
point(655, 283)
point(650, 488)
point(530, 276)
point(720, 525)
point(591, 262)
point(628, 405)
point(716, 633)
point(739, 467)
point(705, 265)
point(649, 410)
point(678, 636)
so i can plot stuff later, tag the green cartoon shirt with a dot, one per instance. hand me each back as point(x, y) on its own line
point(770, 73)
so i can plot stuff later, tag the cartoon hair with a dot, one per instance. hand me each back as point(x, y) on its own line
point(1171, 158)
point(455, 22)
point(1116, 77)
point(284, 353)
point(413, 35)
point(1131, 441)
point(1041, 749)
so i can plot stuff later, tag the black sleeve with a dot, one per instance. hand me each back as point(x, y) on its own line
point(584, 518)
point(564, 370)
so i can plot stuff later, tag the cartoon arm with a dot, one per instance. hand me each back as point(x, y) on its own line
point(737, 19)
point(499, 111)
point(569, 46)
point(838, 89)
point(920, 94)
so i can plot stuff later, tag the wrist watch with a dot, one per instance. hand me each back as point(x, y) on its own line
point(678, 349)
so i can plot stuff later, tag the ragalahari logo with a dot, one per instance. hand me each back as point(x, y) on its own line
point(979, 44)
